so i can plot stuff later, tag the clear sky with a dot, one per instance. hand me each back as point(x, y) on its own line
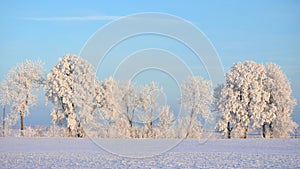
point(262, 31)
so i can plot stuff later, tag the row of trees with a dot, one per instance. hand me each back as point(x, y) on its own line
point(110, 108)
point(253, 96)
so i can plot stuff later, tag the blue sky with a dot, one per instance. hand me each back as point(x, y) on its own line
point(267, 31)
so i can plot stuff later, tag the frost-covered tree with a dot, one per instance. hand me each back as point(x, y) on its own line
point(109, 106)
point(242, 98)
point(224, 123)
point(6, 97)
point(180, 128)
point(120, 103)
point(71, 88)
point(196, 99)
point(224, 107)
point(22, 81)
point(130, 103)
point(164, 126)
point(280, 104)
point(255, 95)
point(149, 106)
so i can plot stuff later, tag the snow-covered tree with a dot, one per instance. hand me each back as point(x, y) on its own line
point(179, 128)
point(224, 107)
point(224, 123)
point(130, 103)
point(242, 98)
point(149, 106)
point(255, 95)
point(196, 99)
point(109, 105)
point(6, 97)
point(22, 81)
point(164, 126)
point(280, 104)
point(122, 104)
point(71, 87)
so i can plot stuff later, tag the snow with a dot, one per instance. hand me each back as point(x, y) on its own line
point(192, 153)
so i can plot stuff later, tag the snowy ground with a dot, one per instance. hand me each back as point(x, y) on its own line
point(86, 153)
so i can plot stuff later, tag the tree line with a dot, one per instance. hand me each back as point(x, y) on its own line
point(253, 95)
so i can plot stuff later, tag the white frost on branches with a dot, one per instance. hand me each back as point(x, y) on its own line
point(166, 123)
point(280, 103)
point(6, 98)
point(71, 87)
point(254, 95)
point(149, 106)
point(196, 100)
point(22, 81)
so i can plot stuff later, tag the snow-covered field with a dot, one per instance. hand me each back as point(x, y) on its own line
point(87, 153)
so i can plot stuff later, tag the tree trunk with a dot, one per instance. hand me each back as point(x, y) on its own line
point(22, 115)
point(3, 122)
point(151, 130)
point(151, 124)
point(246, 132)
point(70, 132)
point(80, 131)
point(130, 129)
point(229, 129)
point(22, 123)
point(264, 130)
point(128, 117)
point(271, 129)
